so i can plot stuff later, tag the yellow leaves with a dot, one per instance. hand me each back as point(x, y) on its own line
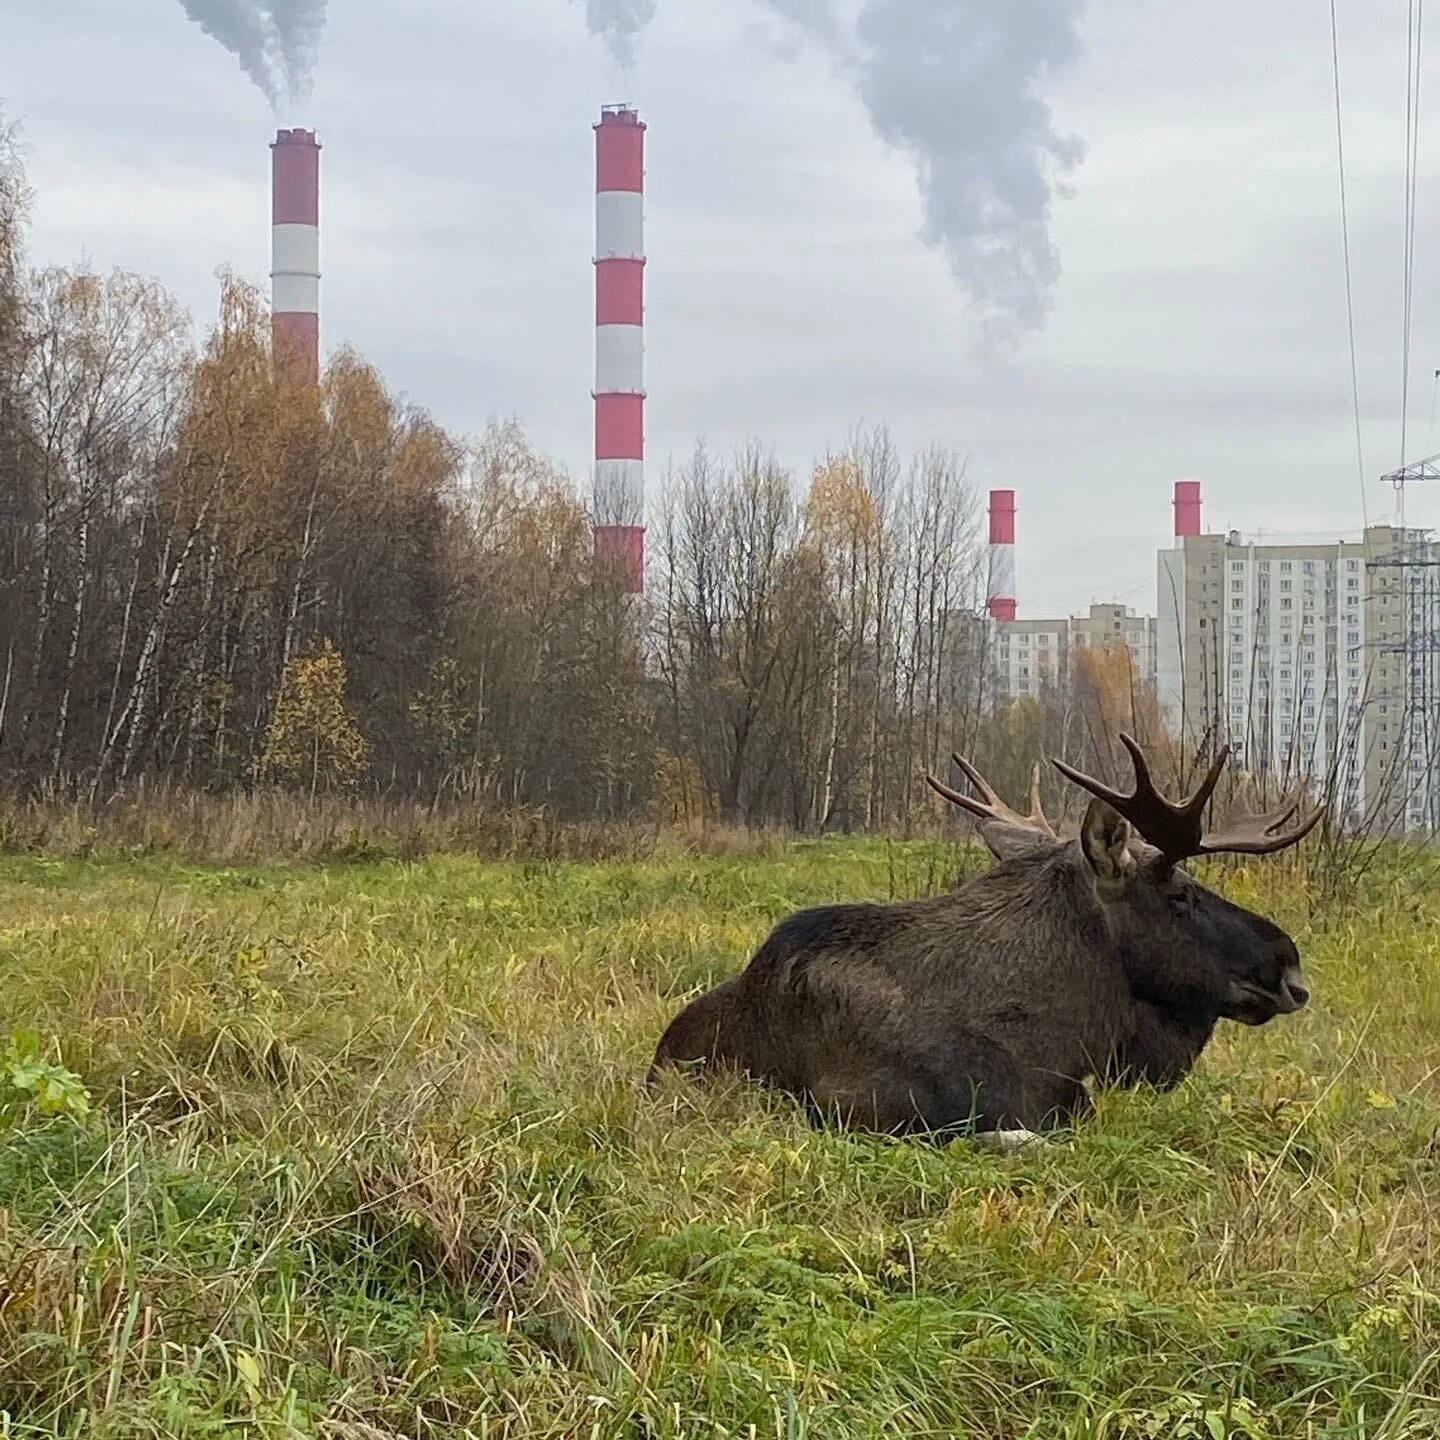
point(1379, 1100)
point(248, 1368)
point(681, 795)
point(313, 740)
point(840, 511)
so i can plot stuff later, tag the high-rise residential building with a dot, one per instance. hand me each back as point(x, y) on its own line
point(1032, 656)
point(1310, 660)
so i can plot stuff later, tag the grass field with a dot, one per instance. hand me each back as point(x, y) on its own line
point(365, 1157)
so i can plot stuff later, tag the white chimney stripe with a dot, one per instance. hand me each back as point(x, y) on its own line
point(1002, 572)
point(291, 293)
point(619, 359)
point(295, 250)
point(619, 492)
point(619, 225)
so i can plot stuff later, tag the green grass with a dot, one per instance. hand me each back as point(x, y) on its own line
point(367, 1158)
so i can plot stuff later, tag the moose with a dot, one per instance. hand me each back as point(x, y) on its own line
point(987, 1009)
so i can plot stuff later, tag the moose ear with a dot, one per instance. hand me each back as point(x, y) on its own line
point(1006, 841)
point(1105, 841)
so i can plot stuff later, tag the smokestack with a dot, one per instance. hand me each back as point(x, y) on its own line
point(1187, 508)
point(620, 343)
point(1000, 601)
point(295, 254)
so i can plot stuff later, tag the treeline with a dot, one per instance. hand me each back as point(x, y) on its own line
point(225, 581)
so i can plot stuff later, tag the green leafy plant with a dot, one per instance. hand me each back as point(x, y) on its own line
point(30, 1083)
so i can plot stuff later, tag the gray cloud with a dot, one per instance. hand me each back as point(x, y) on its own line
point(277, 42)
point(619, 23)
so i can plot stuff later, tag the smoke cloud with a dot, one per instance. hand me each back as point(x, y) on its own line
point(956, 85)
point(277, 42)
point(619, 23)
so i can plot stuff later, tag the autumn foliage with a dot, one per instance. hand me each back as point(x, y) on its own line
point(214, 578)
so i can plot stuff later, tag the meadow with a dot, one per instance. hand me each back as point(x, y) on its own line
point(356, 1150)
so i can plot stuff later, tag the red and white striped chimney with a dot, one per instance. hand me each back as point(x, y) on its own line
point(1187, 508)
point(1000, 599)
point(620, 343)
point(295, 253)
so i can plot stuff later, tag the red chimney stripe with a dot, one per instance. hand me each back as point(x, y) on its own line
point(620, 292)
point(295, 338)
point(295, 189)
point(619, 427)
point(623, 546)
point(1187, 508)
point(619, 157)
point(1002, 517)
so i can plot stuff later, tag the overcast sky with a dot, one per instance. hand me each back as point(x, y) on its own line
point(1197, 328)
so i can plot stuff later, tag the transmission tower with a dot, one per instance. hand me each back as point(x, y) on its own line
point(1410, 575)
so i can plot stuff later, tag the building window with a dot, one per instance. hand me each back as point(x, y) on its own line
point(1284, 567)
point(1309, 567)
point(1352, 565)
point(1285, 603)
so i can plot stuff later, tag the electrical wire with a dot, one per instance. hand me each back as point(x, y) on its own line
point(1416, 17)
point(1349, 287)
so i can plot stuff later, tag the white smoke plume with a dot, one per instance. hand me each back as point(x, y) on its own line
point(619, 23)
point(277, 42)
point(957, 85)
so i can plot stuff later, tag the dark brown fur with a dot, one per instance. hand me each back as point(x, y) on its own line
point(988, 1008)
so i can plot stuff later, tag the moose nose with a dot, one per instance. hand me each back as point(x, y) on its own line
point(1294, 989)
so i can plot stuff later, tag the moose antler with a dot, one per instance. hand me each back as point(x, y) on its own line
point(990, 806)
point(1177, 829)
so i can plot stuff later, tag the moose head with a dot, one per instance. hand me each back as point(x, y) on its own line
point(1180, 943)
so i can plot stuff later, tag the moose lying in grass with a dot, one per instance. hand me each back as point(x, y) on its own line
point(987, 1009)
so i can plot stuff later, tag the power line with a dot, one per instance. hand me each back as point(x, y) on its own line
point(1416, 17)
point(1349, 289)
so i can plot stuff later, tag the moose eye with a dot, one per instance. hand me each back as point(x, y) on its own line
point(1182, 901)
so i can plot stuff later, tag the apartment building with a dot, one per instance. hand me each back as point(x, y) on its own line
point(1032, 656)
point(1311, 660)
